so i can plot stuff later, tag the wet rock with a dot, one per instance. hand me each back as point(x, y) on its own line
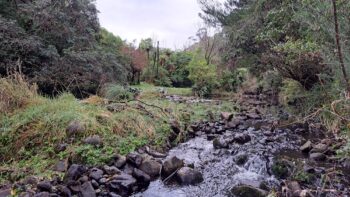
point(74, 172)
point(233, 124)
point(74, 186)
point(318, 156)
point(119, 160)
point(45, 186)
point(94, 140)
point(211, 137)
point(142, 177)
point(103, 181)
point(64, 191)
point(96, 174)
point(61, 166)
point(220, 143)
point(247, 191)
point(134, 159)
point(74, 128)
point(122, 184)
point(253, 116)
point(227, 116)
point(154, 153)
point(128, 168)
point(189, 176)
point(151, 167)
point(242, 138)
point(241, 159)
point(87, 190)
point(95, 184)
point(42, 194)
point(306, 147)
point(32, 180)
point(112, 194)
point(319, 148)
point(171, 165)
point(83, 179)
point(111, 170)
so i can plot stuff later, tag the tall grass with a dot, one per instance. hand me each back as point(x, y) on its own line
point(15, 92)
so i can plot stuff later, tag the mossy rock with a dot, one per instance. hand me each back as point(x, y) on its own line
point(281, 169)
point(248, 191)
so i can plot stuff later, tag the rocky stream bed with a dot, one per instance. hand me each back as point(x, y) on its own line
point(247, 154)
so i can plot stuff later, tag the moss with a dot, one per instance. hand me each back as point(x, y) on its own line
point(281, 169)
point(304, 177)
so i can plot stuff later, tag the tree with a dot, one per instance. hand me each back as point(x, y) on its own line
point(339, 47)
point(203, 75)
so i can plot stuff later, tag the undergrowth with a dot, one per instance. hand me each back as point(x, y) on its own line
point(34, 125)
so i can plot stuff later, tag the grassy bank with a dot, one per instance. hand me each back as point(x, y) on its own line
point(32, 126)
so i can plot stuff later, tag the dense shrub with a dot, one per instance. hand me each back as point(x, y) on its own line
point(203, 76)
point(118, 92)
point(59, 46)
point(299, 60)
point(231, 80)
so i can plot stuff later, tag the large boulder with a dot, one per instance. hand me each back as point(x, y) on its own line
point(171, 165)
point(151, 167)
point(189, 176)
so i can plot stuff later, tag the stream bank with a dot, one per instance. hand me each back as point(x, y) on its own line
point(250, 153)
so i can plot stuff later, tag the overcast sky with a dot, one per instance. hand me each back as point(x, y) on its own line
point(170, 21)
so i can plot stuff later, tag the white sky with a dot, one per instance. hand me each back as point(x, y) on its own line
point(170, 21)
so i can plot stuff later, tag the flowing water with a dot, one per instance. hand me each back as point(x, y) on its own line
point(219, 166)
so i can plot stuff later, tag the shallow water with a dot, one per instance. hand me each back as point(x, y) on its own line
point(219, 168)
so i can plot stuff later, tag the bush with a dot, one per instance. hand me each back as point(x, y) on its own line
point(203, 76)
point(231, 80)
point(298, 60)
point(15, 93)
point(118, 92)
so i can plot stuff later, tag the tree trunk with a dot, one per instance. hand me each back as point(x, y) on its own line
point(157, 59)
point(339, 48)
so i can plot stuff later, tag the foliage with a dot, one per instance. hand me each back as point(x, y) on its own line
point(117, 93)
point(232, 80)
point(203, 75)
point(179, 75)
point(59, 46)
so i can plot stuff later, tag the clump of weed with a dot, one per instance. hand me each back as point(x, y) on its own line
point(16, 92)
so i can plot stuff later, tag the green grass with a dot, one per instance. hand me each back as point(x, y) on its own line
point(29, 134)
